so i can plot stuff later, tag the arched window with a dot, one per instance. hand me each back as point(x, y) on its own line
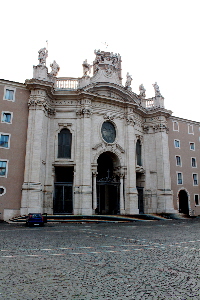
point(64, 143)
point(139, 153)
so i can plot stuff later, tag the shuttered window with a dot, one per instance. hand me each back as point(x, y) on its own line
point(64, 143)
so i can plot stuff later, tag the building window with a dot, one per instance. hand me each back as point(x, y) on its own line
point(175, 126)
point(64, 143)
point(193, 162)
point(192, 146)
point(196, 199)
point(2, 190)
point(4, 140)
point(178, 160)
point(176, 143)
point(3, 168)
point(195, 179)
point(9, 93)
point(179, 178)
point(139, 153)
point(190, 129)
point(6, 117)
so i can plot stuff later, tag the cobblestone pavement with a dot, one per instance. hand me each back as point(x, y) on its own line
point(141, 260)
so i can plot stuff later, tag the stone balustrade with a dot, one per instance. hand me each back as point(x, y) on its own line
point(67, 83)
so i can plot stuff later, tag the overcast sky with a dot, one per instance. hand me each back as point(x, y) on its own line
point(158, 40)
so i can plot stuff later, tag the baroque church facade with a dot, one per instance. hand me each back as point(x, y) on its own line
point(92, 145)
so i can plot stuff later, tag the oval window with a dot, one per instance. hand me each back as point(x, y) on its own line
point(108, 132)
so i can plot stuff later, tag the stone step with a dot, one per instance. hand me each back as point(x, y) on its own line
point(106, 218)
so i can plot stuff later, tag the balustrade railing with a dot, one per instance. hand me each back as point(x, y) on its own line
point(67, 83)
point(149, 103)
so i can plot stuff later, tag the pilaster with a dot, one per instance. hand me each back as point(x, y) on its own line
point(35, 163)
point(83, 184)
point(131, 203)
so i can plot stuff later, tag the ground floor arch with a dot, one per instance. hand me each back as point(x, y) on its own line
point(183, 202)
point(109, 187)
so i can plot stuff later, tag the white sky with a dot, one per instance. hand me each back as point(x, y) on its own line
point(158, 40)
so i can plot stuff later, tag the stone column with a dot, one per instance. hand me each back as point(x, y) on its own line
point(131, 191)
point(122, 211)
point(94, 190)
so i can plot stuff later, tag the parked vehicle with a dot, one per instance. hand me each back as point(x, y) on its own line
point(36, 218)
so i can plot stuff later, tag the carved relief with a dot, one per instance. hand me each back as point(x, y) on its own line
point(84, 112)
point(129, 119)
point(43, 103)
point(139, 169)
point(160, 128)
point(108, 147)
point(109, 116)
point(146, 128)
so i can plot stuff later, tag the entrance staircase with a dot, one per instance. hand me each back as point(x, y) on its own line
point(63, 218)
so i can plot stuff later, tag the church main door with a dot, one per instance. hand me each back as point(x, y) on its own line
point(108, 185)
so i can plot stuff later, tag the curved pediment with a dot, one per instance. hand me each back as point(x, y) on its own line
point(112, 91)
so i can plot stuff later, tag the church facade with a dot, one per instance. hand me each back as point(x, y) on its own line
point(94, 146)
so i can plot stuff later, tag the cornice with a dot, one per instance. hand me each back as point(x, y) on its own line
point(33, 84)
point(13, 83)
point(184, 120)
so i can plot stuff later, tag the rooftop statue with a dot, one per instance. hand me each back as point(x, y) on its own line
point(142, 91)
point(54, 68)
point(106, 59)
point(86, 68)
point(157, 90)
point(43, 54)
point(128, 80)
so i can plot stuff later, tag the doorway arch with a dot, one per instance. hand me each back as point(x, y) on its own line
point(108, 184)
point(183, 202)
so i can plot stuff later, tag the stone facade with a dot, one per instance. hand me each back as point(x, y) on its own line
point(93, 145)
point(96, 102)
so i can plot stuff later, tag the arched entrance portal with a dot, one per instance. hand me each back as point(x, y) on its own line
point(183, 202)
point(108, 184)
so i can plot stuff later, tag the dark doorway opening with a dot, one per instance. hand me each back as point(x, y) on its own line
point(140, 181)
point(140, 200)
point(183, 202)
point(63, 187)
point(108, 185)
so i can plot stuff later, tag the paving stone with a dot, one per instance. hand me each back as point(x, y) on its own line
point(89, 262)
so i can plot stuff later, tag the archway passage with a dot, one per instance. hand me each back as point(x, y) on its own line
point(108, 184)
point(183, 202)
